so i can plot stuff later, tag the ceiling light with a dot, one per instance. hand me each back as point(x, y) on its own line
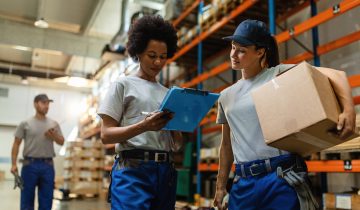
point(24, 80)
point(18, 47)
point(64, 79)
point(77, 82)
point(41, 23)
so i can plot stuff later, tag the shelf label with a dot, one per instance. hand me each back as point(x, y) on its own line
point(347, 165)
point(343, 202)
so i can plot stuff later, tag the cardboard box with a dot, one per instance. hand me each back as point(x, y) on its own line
point(297, 110)
point(341, 201)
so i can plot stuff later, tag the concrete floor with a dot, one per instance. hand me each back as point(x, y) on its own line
point(10, 200)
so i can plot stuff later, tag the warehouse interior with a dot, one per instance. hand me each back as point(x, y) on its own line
point(73, 51)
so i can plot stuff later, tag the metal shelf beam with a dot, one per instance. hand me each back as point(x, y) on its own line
point(332, 166)
point(186, 13)
point(354, 80)
point(240, 9)
point(323, 49)
point(206, 75)
point(322, 17)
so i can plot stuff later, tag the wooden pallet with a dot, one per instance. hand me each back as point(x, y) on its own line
point(209, 160)
point(345, 151)
point(83, 179)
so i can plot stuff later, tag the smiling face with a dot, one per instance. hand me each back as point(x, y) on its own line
point(152, 60)
point(244, 57)
point(247, 59)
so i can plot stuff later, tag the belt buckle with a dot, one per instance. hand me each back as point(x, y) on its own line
point(251, 171)
point(160, 157)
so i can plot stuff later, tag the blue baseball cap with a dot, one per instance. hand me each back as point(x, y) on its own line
point(251, 32)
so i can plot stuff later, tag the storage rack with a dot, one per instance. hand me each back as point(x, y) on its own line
point(248, 8)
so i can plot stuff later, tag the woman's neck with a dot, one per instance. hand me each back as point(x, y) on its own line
point(144, 76)
point(249, 73)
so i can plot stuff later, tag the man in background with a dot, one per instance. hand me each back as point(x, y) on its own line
point(39, 133)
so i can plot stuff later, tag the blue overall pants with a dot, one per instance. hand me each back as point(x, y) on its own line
point(37, 172)
point(145, 185)
point(253, 190)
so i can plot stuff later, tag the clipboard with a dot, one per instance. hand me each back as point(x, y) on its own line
point(189, 105)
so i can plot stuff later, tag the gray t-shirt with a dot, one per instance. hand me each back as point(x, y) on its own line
point(236, 108)
point(33, 132)
point(124, 102)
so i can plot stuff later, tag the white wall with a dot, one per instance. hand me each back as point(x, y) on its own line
point(18, 106)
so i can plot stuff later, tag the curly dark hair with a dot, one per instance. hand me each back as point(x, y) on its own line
point(151, 27)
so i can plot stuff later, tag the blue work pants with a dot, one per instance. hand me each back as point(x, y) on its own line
point(37, 173)
point(145, 185)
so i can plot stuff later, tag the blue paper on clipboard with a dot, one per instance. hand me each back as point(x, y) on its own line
point(189, 105)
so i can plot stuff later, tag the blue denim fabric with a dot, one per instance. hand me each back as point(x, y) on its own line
point(37, 173)
point(146, 186)
point(265, 192)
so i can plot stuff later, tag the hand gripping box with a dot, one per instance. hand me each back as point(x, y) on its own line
point(298, 110)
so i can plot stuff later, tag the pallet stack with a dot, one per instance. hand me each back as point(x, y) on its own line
point(83, 167)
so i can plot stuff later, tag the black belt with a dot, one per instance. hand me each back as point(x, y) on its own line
point(38, 158)
point(157, 156)
point(259, 167)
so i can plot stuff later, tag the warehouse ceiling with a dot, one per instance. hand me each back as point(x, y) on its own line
point(77, 32)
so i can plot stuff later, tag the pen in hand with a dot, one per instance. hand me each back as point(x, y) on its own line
point(145, 113)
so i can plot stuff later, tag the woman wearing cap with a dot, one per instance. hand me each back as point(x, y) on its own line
point(256, 184)
point(143, 176)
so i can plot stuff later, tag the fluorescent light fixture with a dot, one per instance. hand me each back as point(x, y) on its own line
point(77, 82)
point(41, 23)
point(18, 47)
point(62, 79)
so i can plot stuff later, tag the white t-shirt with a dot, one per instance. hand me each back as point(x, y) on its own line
point(124, 102)
point(236, 108)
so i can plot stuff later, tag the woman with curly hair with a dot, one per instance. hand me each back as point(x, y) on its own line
point(143, 176)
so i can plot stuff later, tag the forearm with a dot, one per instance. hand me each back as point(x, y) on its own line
point(340, 84)
point(59, 139)
point(112, 135)
point(225, 163)
point(14, 154)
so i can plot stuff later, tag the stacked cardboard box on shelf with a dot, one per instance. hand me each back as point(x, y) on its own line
point(209, 153)
point(211, 13)
point(341, 201)
point(89, 123)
